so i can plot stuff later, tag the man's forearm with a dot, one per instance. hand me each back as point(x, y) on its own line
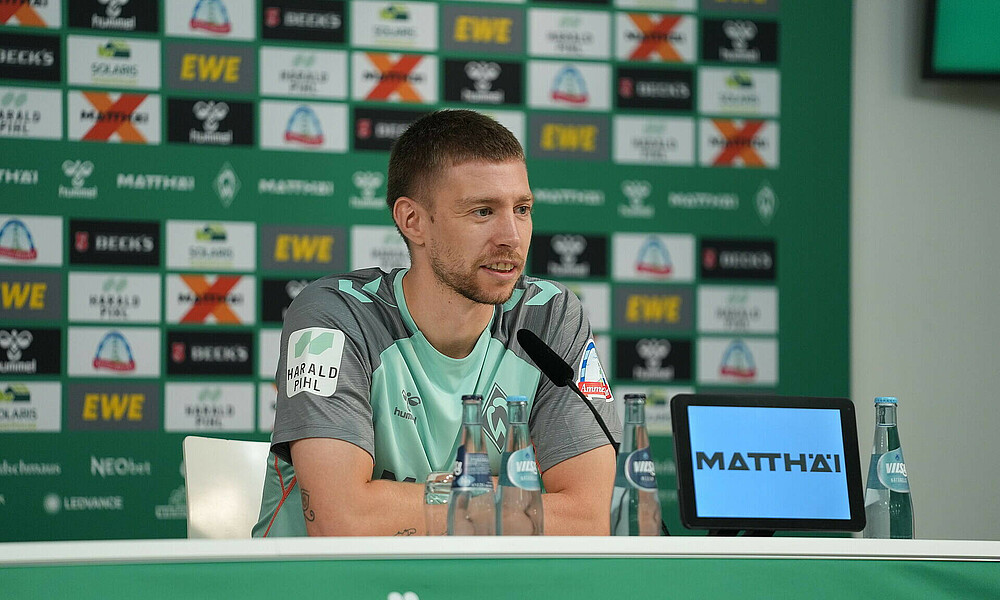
point(379, 508)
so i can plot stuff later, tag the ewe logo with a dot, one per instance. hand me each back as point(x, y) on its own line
point(313, 361)
point(16, 242)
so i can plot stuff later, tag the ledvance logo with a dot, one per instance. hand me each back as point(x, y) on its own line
point(53, 503)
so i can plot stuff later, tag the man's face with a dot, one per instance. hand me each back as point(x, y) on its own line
point(478, 240)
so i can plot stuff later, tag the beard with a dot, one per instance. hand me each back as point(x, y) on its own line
point(446, 266)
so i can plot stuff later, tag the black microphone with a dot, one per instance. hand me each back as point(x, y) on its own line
point(560, 373)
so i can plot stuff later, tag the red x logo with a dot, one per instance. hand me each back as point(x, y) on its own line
point(655, 37)
point(114, 117)
point(26, 15)
point(739, 143)
point(395, 77)
point(211, 299)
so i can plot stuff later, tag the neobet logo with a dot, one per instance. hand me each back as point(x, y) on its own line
point(802, 463)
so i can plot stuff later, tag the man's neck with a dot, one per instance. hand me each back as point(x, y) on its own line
point(451, 322)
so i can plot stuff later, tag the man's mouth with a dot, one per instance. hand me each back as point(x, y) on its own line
point(501, 267)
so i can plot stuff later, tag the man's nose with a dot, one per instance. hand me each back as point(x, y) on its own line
point(507, 232)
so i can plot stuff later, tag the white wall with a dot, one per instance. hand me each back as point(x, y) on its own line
point(925, 260)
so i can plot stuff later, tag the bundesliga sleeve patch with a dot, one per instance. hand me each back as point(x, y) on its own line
point(313, 361)
point(590, 376)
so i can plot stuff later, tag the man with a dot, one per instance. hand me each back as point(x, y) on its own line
point(373, 365)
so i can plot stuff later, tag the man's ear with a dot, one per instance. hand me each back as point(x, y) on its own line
point(411, 218)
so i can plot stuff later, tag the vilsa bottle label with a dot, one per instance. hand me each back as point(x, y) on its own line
point(640, 470)
point(522, 470)
point(472, 470)
point(889, 471)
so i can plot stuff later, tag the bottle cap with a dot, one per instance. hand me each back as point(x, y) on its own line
point(885, 400)
point(639, 398)
point(477, 398)
point(520, 399)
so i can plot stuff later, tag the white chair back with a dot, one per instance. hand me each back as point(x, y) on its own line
point(224, 481)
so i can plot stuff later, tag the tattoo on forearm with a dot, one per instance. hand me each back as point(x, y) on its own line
point(307, 512)
point(407, 531)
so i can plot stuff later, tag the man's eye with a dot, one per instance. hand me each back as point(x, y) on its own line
point(523, 210)
point(483, 212)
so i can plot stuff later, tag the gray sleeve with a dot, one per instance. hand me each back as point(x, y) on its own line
point(561, 426)
point(324, 374)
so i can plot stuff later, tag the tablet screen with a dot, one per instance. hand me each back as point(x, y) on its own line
point(753, 462)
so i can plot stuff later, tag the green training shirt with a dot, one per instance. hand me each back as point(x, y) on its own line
point(353, 366)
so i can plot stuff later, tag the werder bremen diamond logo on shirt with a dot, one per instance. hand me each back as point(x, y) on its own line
point(313, 361)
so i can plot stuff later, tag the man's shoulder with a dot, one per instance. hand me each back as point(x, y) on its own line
point(543, 306)
point(539, 294)
point(359, 298)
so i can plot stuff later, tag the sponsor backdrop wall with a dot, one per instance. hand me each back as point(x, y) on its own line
point(172, 174)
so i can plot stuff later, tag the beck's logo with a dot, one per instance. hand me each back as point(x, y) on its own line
point(114, 242)
point(304, 20)
point(199, 353)
point(738, 259)
point(34, 57)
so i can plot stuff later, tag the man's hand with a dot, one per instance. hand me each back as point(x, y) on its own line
point(339, 497)
point(578, 494)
